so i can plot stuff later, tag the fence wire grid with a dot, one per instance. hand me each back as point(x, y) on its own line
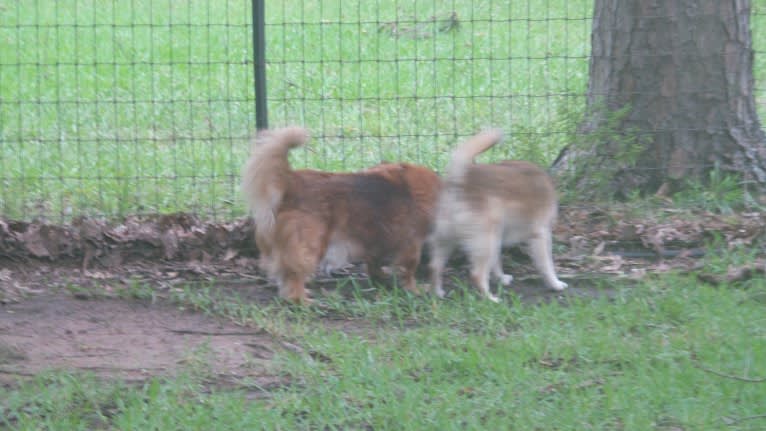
point(147, 106)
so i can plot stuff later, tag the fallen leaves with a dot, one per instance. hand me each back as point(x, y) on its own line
point(170, 249)
point(621, 243)
point(663, 230)
point(12, 290)
point(179, 237)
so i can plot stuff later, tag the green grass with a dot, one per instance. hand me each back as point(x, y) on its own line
point(146, 106)
point(644, 360)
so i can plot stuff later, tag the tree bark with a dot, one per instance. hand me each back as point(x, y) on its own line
point(683, 69)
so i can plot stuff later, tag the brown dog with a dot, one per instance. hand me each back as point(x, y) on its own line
point(485, 206)
point(305, 219)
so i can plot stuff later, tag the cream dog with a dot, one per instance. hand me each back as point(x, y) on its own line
point(485, 206)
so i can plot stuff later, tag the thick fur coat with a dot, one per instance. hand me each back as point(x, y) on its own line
point(306, 219)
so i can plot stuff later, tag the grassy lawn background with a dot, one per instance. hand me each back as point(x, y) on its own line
point(143, 106)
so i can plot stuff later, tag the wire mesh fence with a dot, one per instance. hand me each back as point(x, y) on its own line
point(758, 29)
point(144, 106)
point(123, 107)
point(402, 80)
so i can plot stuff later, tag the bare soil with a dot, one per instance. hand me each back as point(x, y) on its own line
point(130, 340)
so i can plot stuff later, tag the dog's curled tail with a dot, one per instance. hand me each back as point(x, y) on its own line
point(264, 176)
point(463, 155)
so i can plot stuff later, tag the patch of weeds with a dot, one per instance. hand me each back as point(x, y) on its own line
point(600, 149)
point(741, 266)
point(274, 318)
point(85, 292)
point(722, 256)
point(198, 362)
point(541, 143)
point(138, 290)
point(722, 193)
point(386, 302)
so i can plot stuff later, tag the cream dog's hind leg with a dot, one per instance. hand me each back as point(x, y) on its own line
point(540, 251)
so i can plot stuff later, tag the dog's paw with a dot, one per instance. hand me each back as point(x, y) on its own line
point(559, 285)
point(506, 279)
point(435, 289)
point(296, 298)
point(493, 298)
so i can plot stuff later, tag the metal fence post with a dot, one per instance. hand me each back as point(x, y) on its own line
point(259, 65)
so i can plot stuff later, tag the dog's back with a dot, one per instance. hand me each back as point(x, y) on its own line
point(519, 194)
point(520, 190)
point(374, 211)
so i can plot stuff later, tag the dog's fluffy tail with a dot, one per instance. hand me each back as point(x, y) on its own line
point(264, 177)
point(463, 155)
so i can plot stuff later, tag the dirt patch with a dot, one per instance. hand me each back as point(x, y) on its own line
point(135, 340)
point(129, 340)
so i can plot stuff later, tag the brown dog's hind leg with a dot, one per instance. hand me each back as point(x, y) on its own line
point(408, 260)
point(301, 241)
point(292, 288)
point(375, 272)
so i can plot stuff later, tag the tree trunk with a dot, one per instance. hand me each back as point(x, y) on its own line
point(683, 70)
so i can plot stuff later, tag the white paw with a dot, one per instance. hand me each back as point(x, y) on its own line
point(435, 288)
point(493, 298)
point(559, 285)
point(506, 279)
